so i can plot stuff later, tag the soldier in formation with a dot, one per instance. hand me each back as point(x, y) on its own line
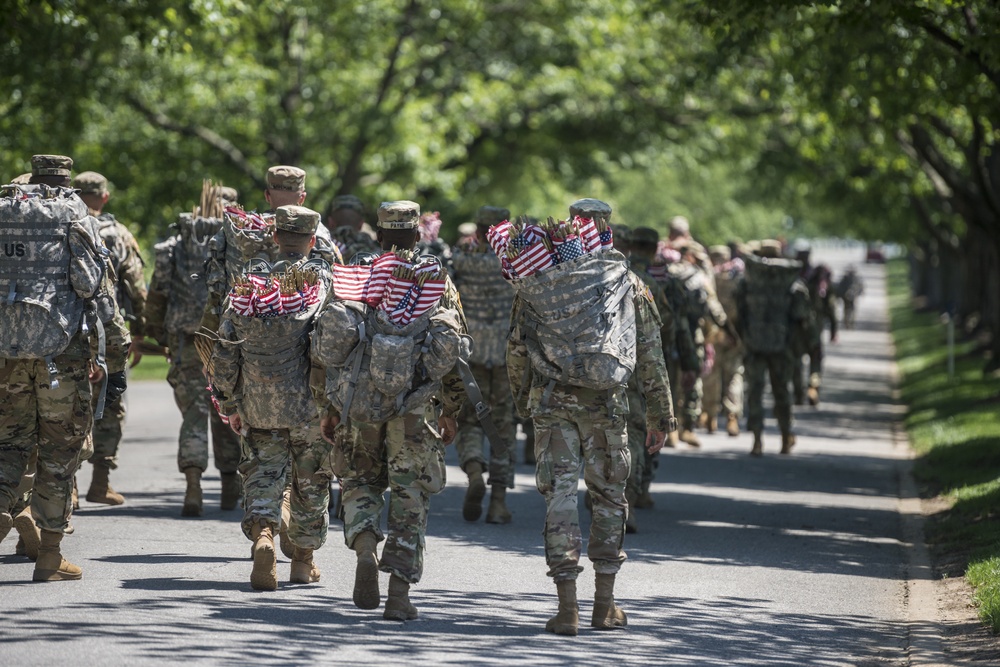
point(724, 382)
point(849, 288)
point(346, 224)
point(819, 281)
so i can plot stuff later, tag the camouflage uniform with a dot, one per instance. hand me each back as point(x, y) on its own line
point(47, 405)
point(724, 383)
point(588, 427)
point(350, 240)
point(821, 310)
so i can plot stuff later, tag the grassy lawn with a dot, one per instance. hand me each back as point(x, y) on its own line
point(954, 425)
point(150, 368)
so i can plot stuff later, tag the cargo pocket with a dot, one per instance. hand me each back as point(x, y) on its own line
point(343, 450)
point(433, 476)
point(544, 475)
point(618, 460)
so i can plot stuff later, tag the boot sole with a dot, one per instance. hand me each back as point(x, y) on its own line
point(565, 630)
point(501, 519)
point(106, 500)
point(366, 593)
point(306, 578)
point(400, 614)
point(608, 622)
point(191, 510)
point(28, 533)
point(264, 577)
point(55, 575)
point(472, 508)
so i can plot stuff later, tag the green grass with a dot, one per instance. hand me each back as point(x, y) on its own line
point(954, 425)
point(150, 368)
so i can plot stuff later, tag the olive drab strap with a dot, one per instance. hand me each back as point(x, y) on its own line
point(500, 448)
point(352, 380)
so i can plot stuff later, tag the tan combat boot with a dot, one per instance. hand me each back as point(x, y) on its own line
point(607, 615)
point(304, 570)
point(6, 523)
point(703, 420)
point(50, 565)
point(687, 436)
point(231, 490)
point(192, 494)
point(712, 423)
point(631, 522)
point(812, 393)
point(672, 439)
point(30, 536)
point(264, 576)
point(100, 489)
point(732, 425)
point(758, 444)
point(472, 508)
point(567, 619)
point(366, 594)
point(397, 604)
point(787, 442)
point(497, 512)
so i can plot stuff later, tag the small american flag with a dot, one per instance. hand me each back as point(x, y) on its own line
point(607, 241)
point(498, 237)
point(536, 258)
point(590, 238)
point(570, 249)
point(268, 301)
point(350, 281)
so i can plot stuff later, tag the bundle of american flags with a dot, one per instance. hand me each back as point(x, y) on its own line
point(401, 284)
point(256, 295)
point(429, 226)
point(251, 221)
point(525, 248)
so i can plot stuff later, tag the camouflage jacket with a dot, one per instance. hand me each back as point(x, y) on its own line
point(772, 306)
point(528, 387)
point(818, 279)
point(678, 342)
point(126, 259)
point(350, 242)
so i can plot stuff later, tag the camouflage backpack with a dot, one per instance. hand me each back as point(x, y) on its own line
point(486, 301)
point(272, 389)
point(188, 288)
point(579, 321)
point(51, 269)
point(375, 369)
point(768, 293)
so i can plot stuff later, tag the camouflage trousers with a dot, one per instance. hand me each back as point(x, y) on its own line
point(815, 354)
point(298, 458)
point(724, 385)
point(107, 434)
point(637, 431)
point(687, 400)
point(565, 441)
point(495, 386)
point(406, 456)
point(55, 422)
point(758, 369)
point(195, 403)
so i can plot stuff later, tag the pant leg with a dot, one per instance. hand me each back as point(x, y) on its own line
point(363, 479)
point(18, 431)
point(755, 367)
point(732, 380)
point(310, 486)
point(108, 434)
point(191, 395)
point(265, 466)
point(557, 474)
point(636, 441)
point(778, 370)
point(502, 403)
point(606, 471)
point(225, 441)
point(469, 441)
point(712, 384)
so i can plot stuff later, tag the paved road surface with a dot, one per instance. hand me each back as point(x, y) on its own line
point(784, 560)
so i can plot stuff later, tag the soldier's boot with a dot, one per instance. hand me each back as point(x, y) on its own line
point(50, 565)
point(645, 500)
point(366, 594)
point(787, 442)
point(607, 615)
point(631, 522)
point(231, 490)
point(703, 420)
point(304, 570)
point(100, 490)
point(29, 535)
point(688, 437)
point(567, 619)
point(287, 548)
point(192, 494)
point(497, 512)
point(75, 498)
point(732, 425)
point(397, 605)
point(812, 393)
point(758, 444)
point(6, 523)
point(472, 508)
point(712, 423)
point(19, 547)
point(264, 575)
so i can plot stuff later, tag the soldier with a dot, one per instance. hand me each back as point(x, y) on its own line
point(431, 242)
point(178, 293)
point(130, 293)
point(772, 304)
point(346, 222)
point(486, 302)
point(849, 288)
point(577, 426)
point(47, 359)
point(261, 368)
point(401, 452)
point(818, 279)
point(724, 383)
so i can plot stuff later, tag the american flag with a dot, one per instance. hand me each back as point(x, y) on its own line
point(498, 237)
point(607, 240)
point(268, 301)
point(292, 303)
point(242, 304)
point(365, 283)
point(536, 258)
point(570, 249)
point(589, 236)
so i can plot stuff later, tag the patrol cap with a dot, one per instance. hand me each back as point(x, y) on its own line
point(284, 177)
point(401, 214)
point(645, 235)
point(770, 248)
point(491, 215)
point(721, 253)
point(467, 229)
point(227, 194)
point(90, 183)
point(621, 232)
point(297, 219)
point(51, 165)
point(349, 202)
point(679, 225)
point(590, 208)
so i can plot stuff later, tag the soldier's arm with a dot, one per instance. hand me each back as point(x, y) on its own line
point(452, 389)
point(518, 364)
point(651, 366)
point(226, 358)
point(155, 312)
point(132, 278)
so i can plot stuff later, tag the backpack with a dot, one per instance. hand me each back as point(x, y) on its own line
point(579, 321)
point(768, 292)
point(188, 289)
point(273, 387)
point(486, 301)
point(52, 265)
point(377, 370)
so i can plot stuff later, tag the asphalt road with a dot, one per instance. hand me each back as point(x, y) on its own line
point(783, 560)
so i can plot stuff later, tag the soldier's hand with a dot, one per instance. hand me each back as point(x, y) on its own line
point(448, 426)
point(135, 351)
point(688, 378)
point(236, 423)
point(96, 374)
point(655, 440)
point(328, 427)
